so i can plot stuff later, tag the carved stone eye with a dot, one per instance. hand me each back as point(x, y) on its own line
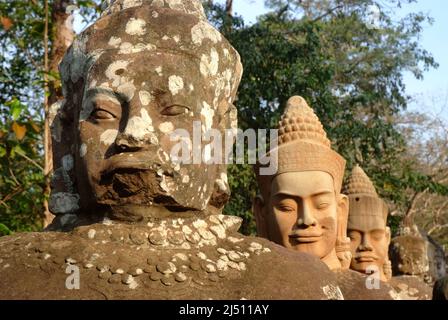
point(174, 110)
point(100, 114)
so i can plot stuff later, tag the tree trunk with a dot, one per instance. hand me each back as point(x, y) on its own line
point(229, 5)
point(61, 36)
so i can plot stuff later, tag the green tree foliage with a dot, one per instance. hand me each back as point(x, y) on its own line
point(22, 184)
point(21, 56)
point(349, 71)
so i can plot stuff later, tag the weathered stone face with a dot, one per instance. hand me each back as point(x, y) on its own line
point(136, 89)
point(369, 248)
point(408, 255)
point(366, 227)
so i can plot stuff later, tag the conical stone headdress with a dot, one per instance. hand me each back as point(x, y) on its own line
point(303, 144)
point(364, 200)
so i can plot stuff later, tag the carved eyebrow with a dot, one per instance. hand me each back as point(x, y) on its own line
point(292, 194)
point(109, 93)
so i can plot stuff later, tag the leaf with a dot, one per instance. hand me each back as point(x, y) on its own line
point(16, 108)
point(35, 127)
point(19, 130)
point(4, 230)
point(2, 151)
point(6, 23)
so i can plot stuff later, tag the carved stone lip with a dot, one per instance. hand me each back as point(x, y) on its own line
point(143, 161)
point(306, 236)
point(366, 258)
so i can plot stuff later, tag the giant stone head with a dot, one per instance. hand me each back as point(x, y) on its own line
point(136, 83)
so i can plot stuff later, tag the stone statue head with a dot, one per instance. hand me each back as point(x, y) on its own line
point(135, 84)
point(409, 256)
point(369, 235)
point(300, 206)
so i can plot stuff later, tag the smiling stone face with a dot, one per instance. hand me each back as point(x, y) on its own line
point(134, 82)
point(301, 206)
point(304, 215)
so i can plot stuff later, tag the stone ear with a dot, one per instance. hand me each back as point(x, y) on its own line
point(388, 235)
point(342, 210)
point(259, 212)
point(64, 198)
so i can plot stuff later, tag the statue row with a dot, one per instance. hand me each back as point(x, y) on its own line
point(133, 223)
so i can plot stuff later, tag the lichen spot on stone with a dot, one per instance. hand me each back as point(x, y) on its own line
point(166, 127)
point(114, 41)
point(131, 3)
point(204, 30)
point(145, 97)
point(136, 27)
point(82, 150)
point(108, 136)
point(91, 233)
point(207, 114)
point(139, 127)
point(185, 179)
point(333, 292)
point(155, 14)
point(175, 84)
point(209, 64)
point(159, 70)
point(111, 72)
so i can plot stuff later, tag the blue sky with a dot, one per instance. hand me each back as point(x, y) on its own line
point(434, 85)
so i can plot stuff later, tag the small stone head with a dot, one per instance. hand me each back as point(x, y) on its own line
point(409, 256)
point(135, 84)
point(369, 235)
point(301, 206)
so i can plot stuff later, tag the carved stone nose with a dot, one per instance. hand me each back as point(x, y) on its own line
point(126, 142)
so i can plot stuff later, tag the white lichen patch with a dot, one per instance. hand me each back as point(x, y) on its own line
point(175, 84)
point(219, 231)
point(204, 30)
point(131, 3)
point(175, 4)
point(108, 136)
point(185, 179)
point(114, 41)
point(209, 64)
point(145, 97)
point(128, 48)
point(176, 38)
point(222, 181)
point(155, 14)
point(83, 150)
point(136, 27)
point(333, 292)
point(159, 70)
point(166, 127)
point(113, 68)
point(199, 224)
point(207, 114)
point(140, 127)
point(91, 233)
